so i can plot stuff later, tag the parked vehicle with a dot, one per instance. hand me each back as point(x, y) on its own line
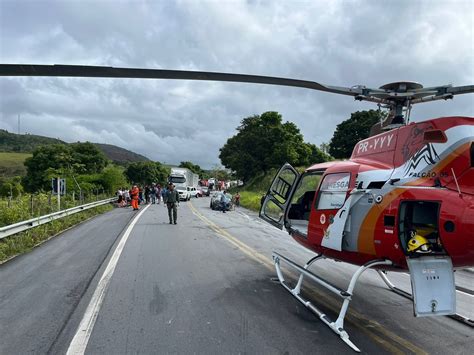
point(203, 191)
point(184, 179)
point(184, 193)
point(194, 192)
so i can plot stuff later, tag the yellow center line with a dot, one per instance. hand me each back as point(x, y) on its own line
point(368, 326)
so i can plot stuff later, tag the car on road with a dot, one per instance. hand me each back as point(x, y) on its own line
point(216, 203)
point(184, 194)
point(193, 192)
point(203, 191)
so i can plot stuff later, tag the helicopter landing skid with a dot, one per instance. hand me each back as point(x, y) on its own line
point(337, 326)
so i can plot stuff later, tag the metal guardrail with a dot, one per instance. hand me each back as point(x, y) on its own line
point(18, 227)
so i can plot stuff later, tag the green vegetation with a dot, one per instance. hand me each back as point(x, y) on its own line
point(29, 206)
point(11, 164)
point(264, 142)
point(118, 155)
point(147, 172)
point(27, 240)
point(351, 131)
point(49, 161)
point(27, 143)
point(252, 192)
point(196, 169)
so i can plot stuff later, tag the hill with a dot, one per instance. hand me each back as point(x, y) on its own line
point(120, 155)
point(27, 143)
point(23, 143)
point(11, 164)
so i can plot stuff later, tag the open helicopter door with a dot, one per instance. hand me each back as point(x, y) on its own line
point(279, 196)
point(432, 282)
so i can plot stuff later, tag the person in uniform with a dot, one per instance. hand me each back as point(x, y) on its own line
point(134, 194)
point(172, 202)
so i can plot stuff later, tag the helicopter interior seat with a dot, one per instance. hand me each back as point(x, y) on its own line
point(302, 209)
point(421, 218)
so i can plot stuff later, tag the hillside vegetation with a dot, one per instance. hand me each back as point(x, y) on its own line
point(251, 193)
point(11, 164)
point(23, 143)
point(27, 143)
point(120, 155)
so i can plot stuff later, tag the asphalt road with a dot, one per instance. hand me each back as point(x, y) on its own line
point(203, 286)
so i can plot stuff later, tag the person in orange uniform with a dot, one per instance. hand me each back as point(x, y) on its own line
point(134, 196)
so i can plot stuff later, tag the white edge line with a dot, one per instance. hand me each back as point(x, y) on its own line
point(79, 343)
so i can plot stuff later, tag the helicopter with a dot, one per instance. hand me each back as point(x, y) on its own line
point(403, 202)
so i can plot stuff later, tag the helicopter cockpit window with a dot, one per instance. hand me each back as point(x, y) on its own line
point(300, 209)
point(333, 191)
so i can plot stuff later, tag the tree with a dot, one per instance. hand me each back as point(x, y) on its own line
point(264, 142)
point(147, 172)
point(317, 155)
point(87, 158)
point(47, 161)
point(64, 160)
point(11, 187)
point(351, 131)
point(113, 178)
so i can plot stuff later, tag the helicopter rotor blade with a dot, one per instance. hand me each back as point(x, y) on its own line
point(112, 72)
point(459, 90)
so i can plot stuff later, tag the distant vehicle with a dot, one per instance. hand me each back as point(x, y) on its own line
point(193, 192)
point(184, 193)
point(183, 179)
point(203, 191)
point(216, 203)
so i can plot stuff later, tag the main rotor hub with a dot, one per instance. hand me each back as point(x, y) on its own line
point(402, 86)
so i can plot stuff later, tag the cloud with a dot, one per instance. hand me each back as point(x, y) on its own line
point(339, 42)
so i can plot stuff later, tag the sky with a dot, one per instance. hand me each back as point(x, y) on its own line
point(342, 43)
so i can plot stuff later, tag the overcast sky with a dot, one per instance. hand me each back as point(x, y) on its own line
point(341, 43)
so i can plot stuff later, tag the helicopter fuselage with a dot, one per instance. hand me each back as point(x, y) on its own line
point(414, 180)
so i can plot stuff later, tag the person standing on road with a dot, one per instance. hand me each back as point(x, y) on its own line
point(172, 202)
point(164, 194)
point(134, 195)
point(158, 193)
point(224, 202)
point(237, 199)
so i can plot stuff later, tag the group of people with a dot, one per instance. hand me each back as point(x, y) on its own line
point(137, 195)
point(153, 194)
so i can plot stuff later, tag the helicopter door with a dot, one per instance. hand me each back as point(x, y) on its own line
point(279, 196)
point(332, 208)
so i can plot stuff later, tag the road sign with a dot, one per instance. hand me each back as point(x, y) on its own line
point(61, 186)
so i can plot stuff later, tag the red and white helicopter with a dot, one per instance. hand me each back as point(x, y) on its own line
point(404, 201)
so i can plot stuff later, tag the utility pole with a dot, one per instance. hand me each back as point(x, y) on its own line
point(18, 123)
point(59, 193)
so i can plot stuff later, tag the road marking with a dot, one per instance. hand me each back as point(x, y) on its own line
point(355, 317)
point(79, 343)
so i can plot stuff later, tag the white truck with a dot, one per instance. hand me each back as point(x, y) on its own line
point(184, 181)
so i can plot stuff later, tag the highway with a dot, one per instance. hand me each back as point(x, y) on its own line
point(203, 286)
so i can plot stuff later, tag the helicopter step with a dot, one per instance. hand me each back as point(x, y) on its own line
point(456, 316)
point(338, 325)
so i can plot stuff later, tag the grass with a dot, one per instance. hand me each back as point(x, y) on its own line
point(11, 164)
point(28, 206)
point(25, 241)
point(251, 193)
